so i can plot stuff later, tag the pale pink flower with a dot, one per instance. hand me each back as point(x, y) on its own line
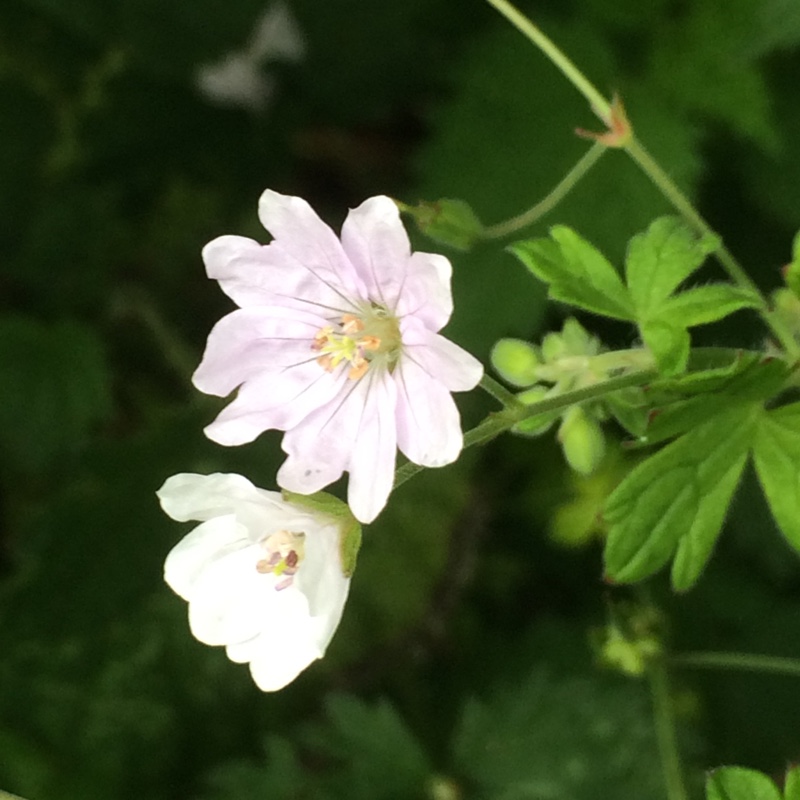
point(336, 342)
point(263, 577)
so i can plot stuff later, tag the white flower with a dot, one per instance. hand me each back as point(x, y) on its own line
point(262, 576)
point(336, 342)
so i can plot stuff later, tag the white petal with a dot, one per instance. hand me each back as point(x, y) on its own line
point(426, 293)
point(443, 360)
point(428, 422)
point(375, 449)
point(189, 496)
point(304, 237)
point(231, 601)
point(208, 541)
point(279, 660)
point(376, 242)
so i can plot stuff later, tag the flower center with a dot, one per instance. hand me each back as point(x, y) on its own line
point(285, 550)
point(370, 339)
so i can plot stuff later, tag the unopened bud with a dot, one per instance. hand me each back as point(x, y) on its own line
point(582, 440)
point(451, 222)
point(515, 361)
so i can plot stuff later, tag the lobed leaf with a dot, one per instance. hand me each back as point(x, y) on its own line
point(704, 304)
point(576, 273)
point(683, 490)
point(660, 259)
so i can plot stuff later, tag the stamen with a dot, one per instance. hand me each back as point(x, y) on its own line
point(285, 551)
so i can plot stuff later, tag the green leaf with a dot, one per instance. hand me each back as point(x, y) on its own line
point(777, 458)
point(669, 344)
point(738, 783)
point(660, 259)
point(576, 272)
point(704, 304)
point(791, 790)
point(682, 491)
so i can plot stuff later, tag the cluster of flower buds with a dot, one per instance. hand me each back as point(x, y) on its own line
point(563, 362)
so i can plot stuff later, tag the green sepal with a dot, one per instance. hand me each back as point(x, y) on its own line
point(660, 259)
point(776, 454)
point(738, 783)
point(448, 221)
point(339, 512)
point(681, 491)
point(576, 273)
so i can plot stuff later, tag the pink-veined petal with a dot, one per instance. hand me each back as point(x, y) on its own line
point(302, 235)
point(375, 449)
point(277, 400)
point(451, 365)
point(249, 341)
point(426, 294)
point(376, 242)
point(428, 422)
point(252, 274)
point(320, 447)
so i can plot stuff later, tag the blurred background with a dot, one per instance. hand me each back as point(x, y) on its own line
point(134, 131)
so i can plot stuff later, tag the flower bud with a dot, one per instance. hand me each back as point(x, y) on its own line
point(515, 361)
point(582, 440)
point(451, 222)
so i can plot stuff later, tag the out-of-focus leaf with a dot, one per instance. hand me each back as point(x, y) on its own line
point(54, 388)
point(738, 783)
point(553, 738)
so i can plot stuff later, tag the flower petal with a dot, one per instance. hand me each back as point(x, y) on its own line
point(377, 244)
point(443, 360)
point(253, 340)
point(274, 401)
point(305, 238)
point(426, 294)
point(208, 541)
point(202, 497)
point(428, 422)
point(252, 274)
point(230, 600)
point(375, 450)
point(319, 448)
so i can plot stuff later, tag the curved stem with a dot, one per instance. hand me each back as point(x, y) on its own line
point(749, 662)
point(567, 183)
point(665, 731)
point(599, 104)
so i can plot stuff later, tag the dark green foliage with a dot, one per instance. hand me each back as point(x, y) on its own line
point(445, 679)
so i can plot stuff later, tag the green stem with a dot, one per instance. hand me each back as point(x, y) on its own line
point(749, 662)
point(665, 731)
point(499, 392)
point(567, 183)
point(599, 104)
